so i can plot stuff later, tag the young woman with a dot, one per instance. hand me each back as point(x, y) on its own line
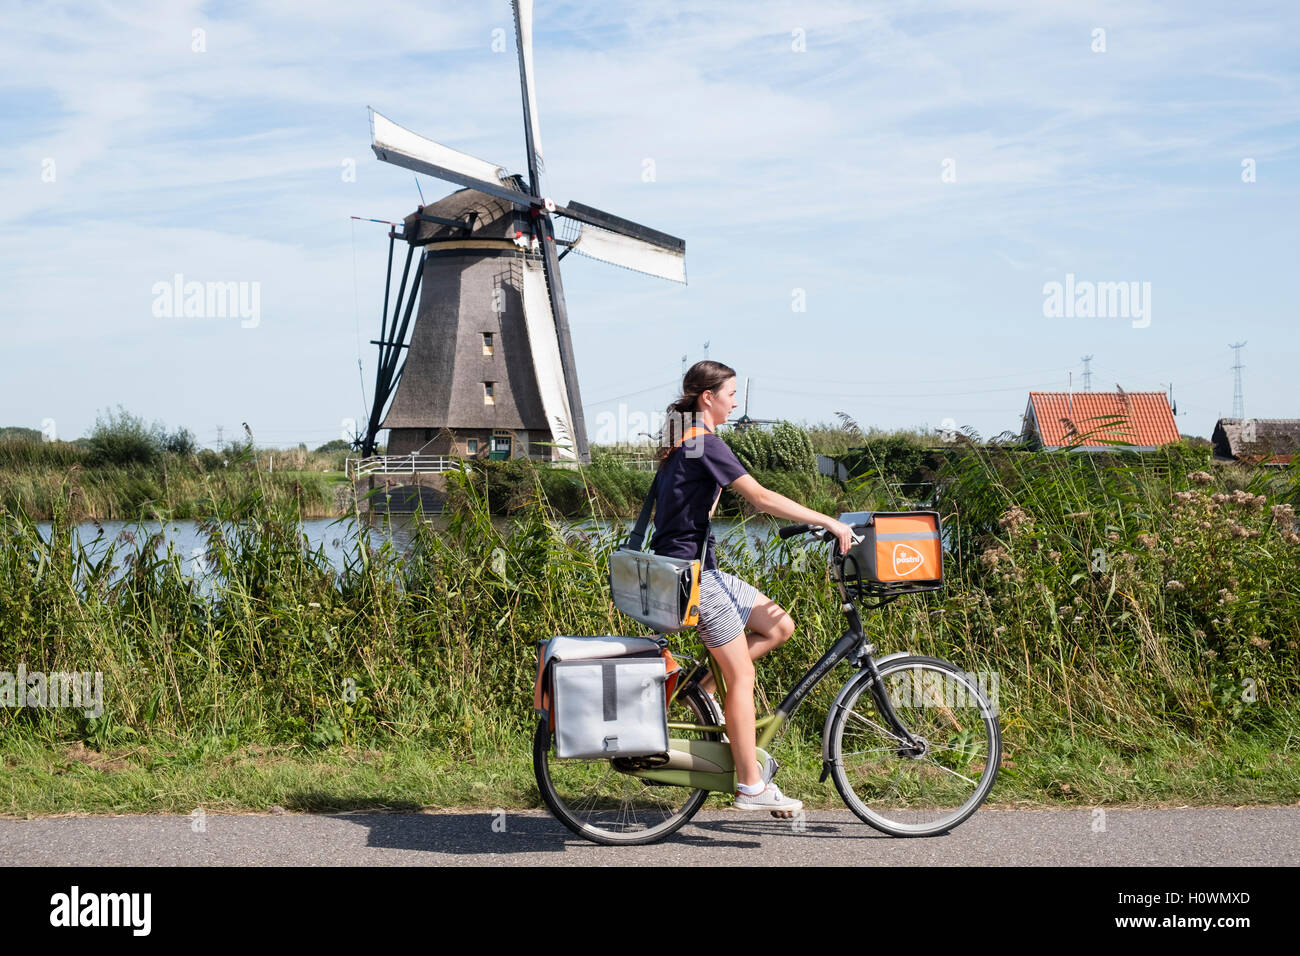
point(737, 622)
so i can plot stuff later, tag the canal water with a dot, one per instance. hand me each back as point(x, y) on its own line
point(336, 535)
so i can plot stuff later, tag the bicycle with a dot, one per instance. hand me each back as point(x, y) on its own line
point(893, 743)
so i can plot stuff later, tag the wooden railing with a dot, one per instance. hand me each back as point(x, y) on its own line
point(401, 465)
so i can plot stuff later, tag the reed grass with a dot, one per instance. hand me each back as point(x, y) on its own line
point(38, 477)
point(1143, 623)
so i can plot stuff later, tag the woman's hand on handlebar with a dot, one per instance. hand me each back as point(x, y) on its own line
point(828, 530)
point(842, 532)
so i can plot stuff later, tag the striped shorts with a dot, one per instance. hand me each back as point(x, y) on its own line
point(725, 603)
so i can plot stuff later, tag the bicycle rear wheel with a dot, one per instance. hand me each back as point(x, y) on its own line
point(906, 791)
point(601, 803)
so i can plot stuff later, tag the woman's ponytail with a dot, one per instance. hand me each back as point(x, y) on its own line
point(703, 376)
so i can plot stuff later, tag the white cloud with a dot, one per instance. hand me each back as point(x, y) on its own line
point(780, 168)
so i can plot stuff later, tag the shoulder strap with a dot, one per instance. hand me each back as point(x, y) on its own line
point(636, 541)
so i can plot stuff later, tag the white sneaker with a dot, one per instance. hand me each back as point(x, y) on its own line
point(770, 799)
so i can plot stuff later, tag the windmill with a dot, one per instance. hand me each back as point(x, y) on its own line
point(489, 362)
point(744, 421)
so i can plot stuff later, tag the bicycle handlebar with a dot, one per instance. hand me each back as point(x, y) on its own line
point(790, 530)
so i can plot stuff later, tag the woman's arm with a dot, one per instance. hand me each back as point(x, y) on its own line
point(770, 502)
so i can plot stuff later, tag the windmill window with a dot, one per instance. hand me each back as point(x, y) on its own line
point(471, 446)
point(488, 388)
point(487, 343)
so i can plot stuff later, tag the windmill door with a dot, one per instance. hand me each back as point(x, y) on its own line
point(499, 449)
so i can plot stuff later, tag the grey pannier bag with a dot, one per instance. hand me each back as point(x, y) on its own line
point(607, 696)
point(661, 592)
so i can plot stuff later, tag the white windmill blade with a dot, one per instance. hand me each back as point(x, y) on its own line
point(547, 365)
point(400, 146)
point(524, 36)
point(630, 253)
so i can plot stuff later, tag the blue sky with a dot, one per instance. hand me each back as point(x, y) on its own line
point(818, 169)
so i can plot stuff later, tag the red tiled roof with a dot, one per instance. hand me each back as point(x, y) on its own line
point(1087, 419)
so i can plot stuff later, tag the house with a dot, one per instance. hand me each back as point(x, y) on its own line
point(1257, 441)
point(1099, 421)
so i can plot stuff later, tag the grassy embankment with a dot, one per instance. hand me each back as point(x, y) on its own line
point(124, 473)
point(1143, 619)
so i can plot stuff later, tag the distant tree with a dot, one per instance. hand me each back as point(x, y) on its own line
point(749, 445)
point(181, 442)
point(338, 444)
point(120, 438)
point(791, 450)
point(18, 433)
point(785, 448)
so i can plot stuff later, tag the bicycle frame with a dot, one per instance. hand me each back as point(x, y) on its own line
point(709, 765)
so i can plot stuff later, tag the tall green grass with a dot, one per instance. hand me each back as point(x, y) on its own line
point(1120, 607)
point(37, 478)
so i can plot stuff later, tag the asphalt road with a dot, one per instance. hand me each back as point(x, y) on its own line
point(1189, 837)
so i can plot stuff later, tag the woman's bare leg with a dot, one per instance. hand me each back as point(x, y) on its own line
point(738, 671)
point(768, 627)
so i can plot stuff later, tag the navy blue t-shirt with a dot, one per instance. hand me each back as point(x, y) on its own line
point(689, 482)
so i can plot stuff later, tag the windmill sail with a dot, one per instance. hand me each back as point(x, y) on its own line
point(402, 147)
point(549, 369)
point(524, 37)
point(622, 242)
point(630, 253)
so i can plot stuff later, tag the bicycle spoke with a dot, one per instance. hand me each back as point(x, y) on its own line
point(936, 763)
point(872, 723)
point(891, 787)
point(959, 750)
point(605, 804)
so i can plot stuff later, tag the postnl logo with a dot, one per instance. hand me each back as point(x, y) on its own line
point(907, 560)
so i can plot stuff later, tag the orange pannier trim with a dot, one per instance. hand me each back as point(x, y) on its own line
point(908, 548)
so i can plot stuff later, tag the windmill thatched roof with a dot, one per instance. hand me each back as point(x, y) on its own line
point(1268, 441)
point(495, 218)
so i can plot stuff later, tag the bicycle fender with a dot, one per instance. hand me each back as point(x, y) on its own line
point(835, 709)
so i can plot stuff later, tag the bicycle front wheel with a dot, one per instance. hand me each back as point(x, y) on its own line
point(917, 790)
point(602, 803)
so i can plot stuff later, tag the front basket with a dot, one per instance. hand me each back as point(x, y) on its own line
point(901, 552)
